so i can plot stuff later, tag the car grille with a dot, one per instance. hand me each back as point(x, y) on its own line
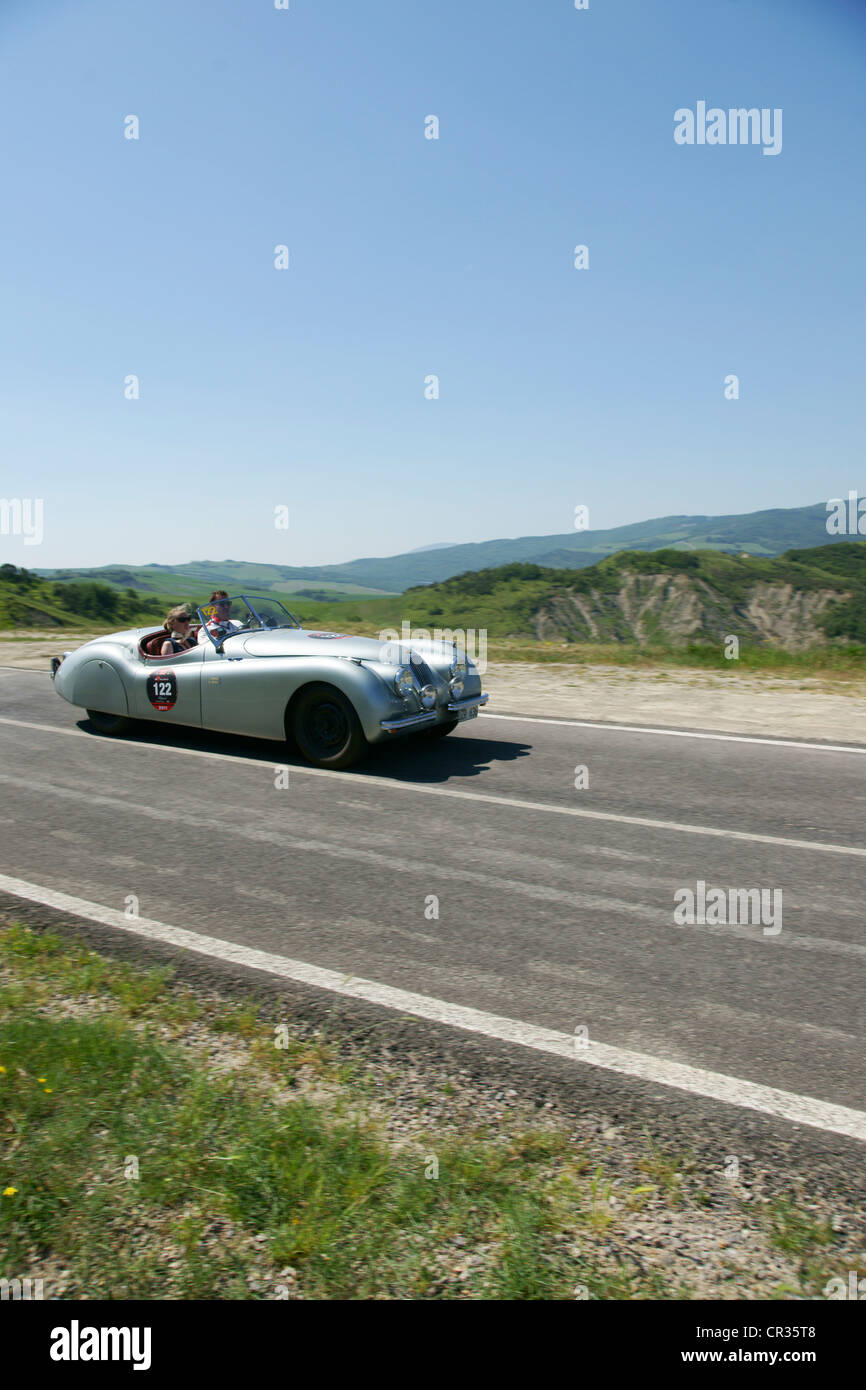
point(423, 674)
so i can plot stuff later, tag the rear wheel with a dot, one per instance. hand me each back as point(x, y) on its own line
point(326, 728)
point(113, 725)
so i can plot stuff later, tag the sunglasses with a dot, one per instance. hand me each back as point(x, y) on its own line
point(182, 618)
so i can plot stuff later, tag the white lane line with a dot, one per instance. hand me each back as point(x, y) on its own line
point(589, 899)
point(394, 784)
point(750, 1095)
point(680, 733)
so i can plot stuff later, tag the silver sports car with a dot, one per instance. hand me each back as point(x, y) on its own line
point(255, 670)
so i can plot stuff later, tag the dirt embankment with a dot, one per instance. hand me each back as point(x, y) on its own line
point(680, 608)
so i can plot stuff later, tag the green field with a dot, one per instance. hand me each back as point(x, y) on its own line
point(200, 578)
point(26, 601)
point(529, 611)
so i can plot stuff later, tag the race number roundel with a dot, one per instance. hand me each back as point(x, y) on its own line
point(162, 689)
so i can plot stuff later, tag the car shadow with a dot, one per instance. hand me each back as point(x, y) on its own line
point(412, 759)
point(438, 760)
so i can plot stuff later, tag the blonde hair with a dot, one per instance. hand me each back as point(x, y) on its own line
point(171, 616)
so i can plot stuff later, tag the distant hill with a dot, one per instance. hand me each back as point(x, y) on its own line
point(26, 600)
point(804, 598)
point(670, 598)
point(437, 545)
point(199, 577)
point(765, 533)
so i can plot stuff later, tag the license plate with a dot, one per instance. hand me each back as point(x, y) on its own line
point(469, 713)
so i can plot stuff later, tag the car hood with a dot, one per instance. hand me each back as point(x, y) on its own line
point(312, 642)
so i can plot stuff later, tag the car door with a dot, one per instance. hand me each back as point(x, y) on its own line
point(243, 694)
point(168, 691)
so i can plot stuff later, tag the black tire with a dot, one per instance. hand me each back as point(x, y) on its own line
point(440, 730)
point(326, 728)
point(112, 725)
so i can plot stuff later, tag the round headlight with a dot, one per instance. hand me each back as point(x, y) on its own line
point(428, 696)
point(404, 681)
point(456, 687)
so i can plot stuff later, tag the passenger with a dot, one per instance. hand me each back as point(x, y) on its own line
point(222, 621)
point(180, 638)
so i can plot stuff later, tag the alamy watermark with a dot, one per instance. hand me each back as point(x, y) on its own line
point(847, 517)
point(471, 641)
point(16, 1290)
point(854, 1289)
point(745, 907)
point(23, 516)
point(735, 126)
point(77, 1343)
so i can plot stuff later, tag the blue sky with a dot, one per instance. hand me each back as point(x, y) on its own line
point(411, 257)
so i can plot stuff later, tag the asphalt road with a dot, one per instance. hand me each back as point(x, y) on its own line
point(554, 919)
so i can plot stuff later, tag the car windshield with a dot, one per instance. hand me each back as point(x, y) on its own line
point(243, 613)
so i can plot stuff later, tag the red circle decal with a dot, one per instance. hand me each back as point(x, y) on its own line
point(162, 689)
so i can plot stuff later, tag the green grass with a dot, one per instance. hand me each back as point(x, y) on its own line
point(82, 1096)
point(796, 1231)
point(328, 1195)
point(806, 1240)
point(150, 1161)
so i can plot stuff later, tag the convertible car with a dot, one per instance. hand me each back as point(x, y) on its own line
point(256, 671)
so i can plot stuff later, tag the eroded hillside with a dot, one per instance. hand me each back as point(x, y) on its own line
point(805, 598)
point(679, 608)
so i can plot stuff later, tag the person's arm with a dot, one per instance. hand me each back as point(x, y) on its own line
point(166, 649)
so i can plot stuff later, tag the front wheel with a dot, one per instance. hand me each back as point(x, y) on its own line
point(326, 728)
point(112, 725)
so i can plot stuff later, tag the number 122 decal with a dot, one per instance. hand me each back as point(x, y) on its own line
point(162, 689)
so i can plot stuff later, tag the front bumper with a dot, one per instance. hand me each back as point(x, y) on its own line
point(407, 722)
point(469, 701)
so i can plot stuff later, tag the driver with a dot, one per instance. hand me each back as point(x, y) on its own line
point(222, 621)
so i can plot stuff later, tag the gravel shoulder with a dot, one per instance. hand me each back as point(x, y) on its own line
point(810, 707)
